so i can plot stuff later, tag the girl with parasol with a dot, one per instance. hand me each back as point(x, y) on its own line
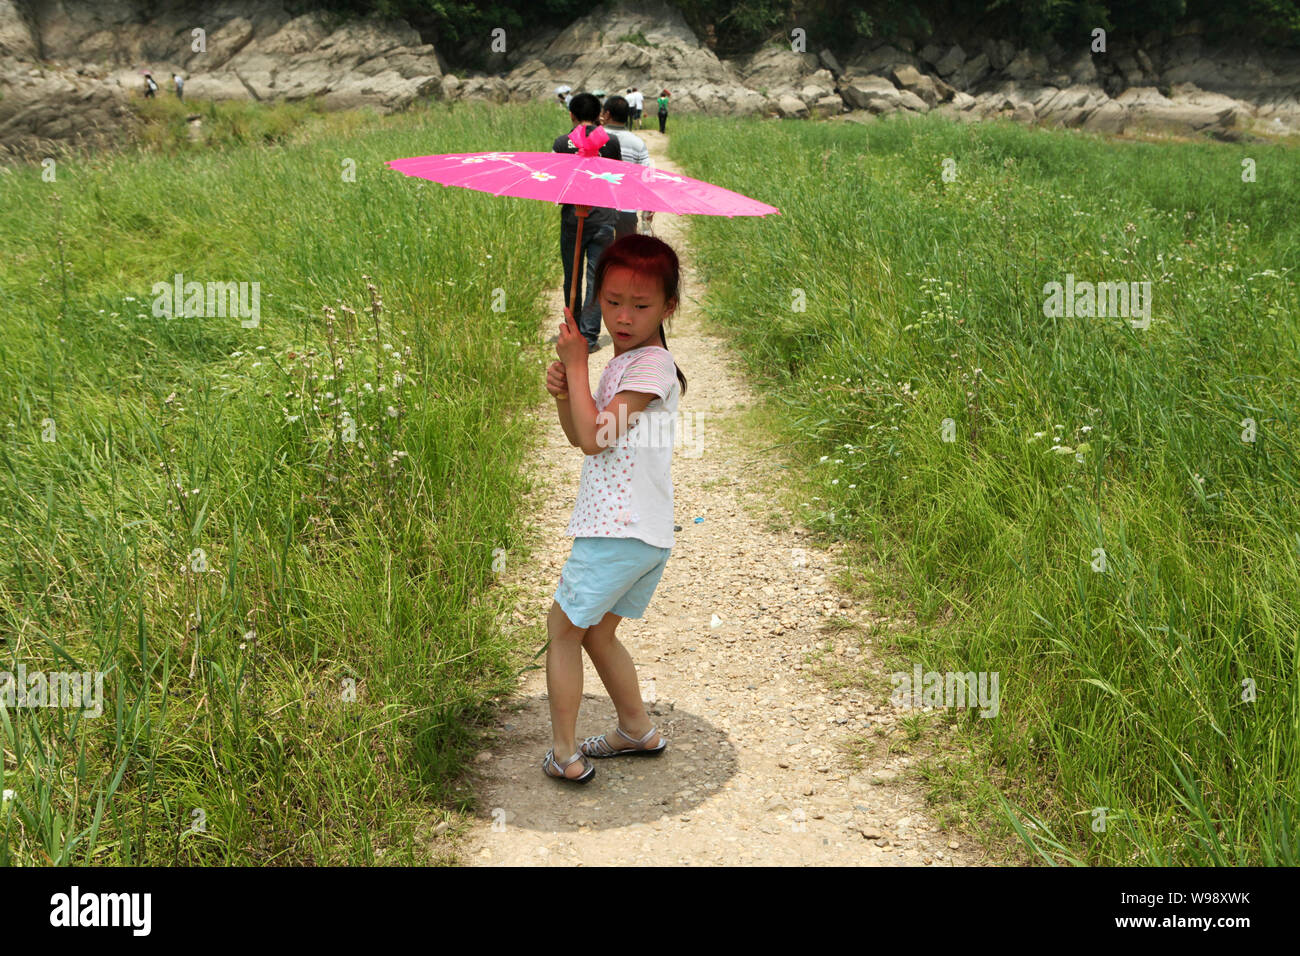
point(622, 522)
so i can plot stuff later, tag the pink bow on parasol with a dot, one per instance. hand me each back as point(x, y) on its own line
point(588, 144)
point(584, 179)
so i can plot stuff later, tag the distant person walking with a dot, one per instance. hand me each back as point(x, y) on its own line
point(663, 109)
point(150, 87)
point(180, 86)
point(614, 119)
point(636, 105)
point(598, 230)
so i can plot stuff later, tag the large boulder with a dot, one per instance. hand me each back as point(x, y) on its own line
point(1151, 111)
point(909, 100)
point(741, 101)
point(1193, 94)
point(717, 100)
point(1110, 117)
point(830, 105)
point(604, 50)
point(877, 95)
point(650, 46)
point(930, 54)
point(880, 60)
point(873, 93)
point(493, 89)
point(970, 73)
point(1279, 113)
point(1127, 66)
point(791, 107)
point(1027, 66)
point(1009, 100)
point(914, 81)
point(816, 86)
point(1068, 107)
point(777, 67)
point(1210, 74)
point(1000, 53)
point(950, 62)
point(962, 101)
point(1081, 69)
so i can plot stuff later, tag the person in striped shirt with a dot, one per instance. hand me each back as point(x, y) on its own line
point(614, 118)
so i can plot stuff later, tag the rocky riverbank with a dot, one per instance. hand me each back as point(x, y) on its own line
point(69, 67)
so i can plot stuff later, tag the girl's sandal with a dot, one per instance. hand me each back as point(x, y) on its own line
point(549, 761)
point(599, 746)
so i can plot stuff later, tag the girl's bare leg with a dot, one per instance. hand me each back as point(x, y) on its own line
point(564, 685)
point(617, 672)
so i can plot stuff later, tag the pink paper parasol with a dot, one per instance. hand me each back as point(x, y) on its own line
point(584, 179)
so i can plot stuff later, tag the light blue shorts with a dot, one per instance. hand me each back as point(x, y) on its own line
point(609, 574)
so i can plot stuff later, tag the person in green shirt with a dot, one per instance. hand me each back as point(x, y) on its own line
point(663, 109)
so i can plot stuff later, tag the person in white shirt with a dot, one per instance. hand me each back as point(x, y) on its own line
point(614, 119)
point(635, 104)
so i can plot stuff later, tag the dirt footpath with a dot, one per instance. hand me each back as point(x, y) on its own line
point(757, 769)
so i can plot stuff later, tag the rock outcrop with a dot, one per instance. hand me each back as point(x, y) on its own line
point(69, 67)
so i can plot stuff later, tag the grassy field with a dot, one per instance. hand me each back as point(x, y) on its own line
point(1105, 511)
point(278, 541)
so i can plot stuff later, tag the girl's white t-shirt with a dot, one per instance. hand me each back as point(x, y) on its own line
point(626, 491)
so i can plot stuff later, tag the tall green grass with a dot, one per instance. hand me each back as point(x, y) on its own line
point(1165, 687)
point(312, 695)
point(169, 125)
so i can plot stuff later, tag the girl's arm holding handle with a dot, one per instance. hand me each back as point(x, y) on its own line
point(593, 432)
point(557, 384)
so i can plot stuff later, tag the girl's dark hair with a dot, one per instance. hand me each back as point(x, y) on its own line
point(646, 254)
